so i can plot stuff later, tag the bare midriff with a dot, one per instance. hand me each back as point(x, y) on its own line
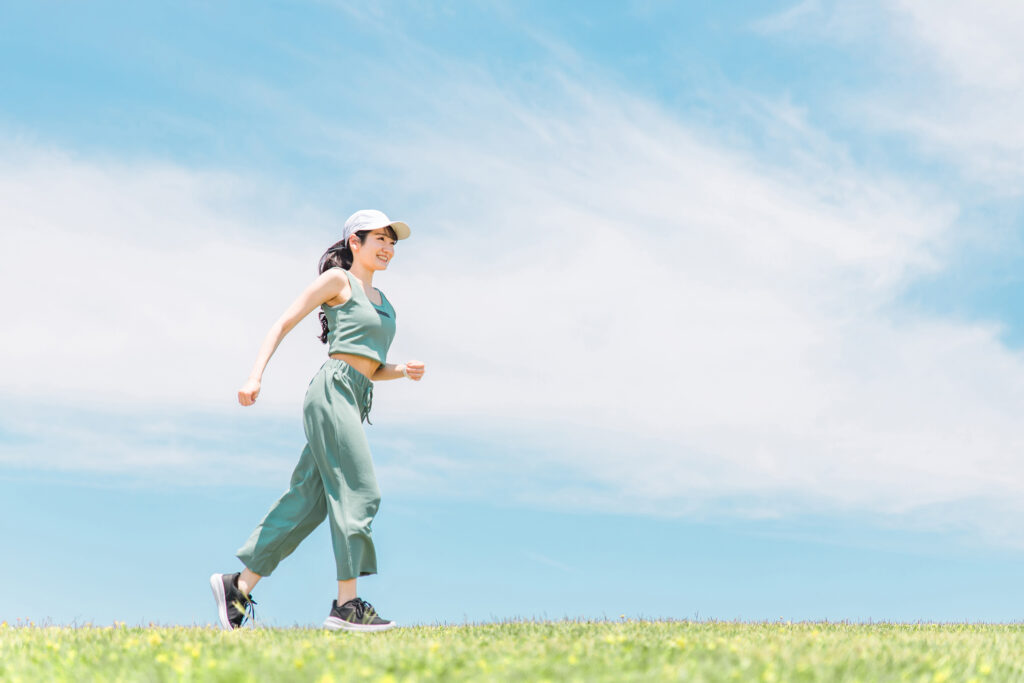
point(365, 366)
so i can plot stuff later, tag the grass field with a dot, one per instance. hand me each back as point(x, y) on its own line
point(626, 650)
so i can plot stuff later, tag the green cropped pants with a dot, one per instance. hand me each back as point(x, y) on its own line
point(334, 478)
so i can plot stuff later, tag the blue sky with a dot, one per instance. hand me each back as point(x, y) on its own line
point(719, 304)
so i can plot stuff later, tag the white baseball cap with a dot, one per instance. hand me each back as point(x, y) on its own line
point(371, 219)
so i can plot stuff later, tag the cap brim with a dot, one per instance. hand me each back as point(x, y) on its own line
point(401, 229)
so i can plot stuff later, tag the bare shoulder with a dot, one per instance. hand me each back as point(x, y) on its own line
point(334, 276)
point(336, 285)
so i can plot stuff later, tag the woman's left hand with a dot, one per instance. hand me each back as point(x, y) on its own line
point(414, 369)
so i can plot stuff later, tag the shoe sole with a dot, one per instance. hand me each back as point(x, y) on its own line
point(217, 584)
point(336, 624)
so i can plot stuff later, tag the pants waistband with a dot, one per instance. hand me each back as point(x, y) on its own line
point(358, 381)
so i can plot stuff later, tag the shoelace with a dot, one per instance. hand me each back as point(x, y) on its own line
point(362, 608)
point(249, 612)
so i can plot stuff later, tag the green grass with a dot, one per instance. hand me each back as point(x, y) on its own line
point(556, 651)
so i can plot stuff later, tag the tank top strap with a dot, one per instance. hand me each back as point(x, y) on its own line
point(384, 303)
point(351, 279)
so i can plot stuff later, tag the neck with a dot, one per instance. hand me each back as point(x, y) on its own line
point(365, 275)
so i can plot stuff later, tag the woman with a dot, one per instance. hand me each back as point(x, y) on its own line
point(334, 477)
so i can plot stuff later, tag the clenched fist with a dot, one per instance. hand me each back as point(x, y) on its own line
point(414, 369)
point(249, 391)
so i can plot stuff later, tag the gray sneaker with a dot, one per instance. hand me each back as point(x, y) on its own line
point(355, 615)
point(232, 603)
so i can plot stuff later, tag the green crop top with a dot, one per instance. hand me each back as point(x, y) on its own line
point(358, 326)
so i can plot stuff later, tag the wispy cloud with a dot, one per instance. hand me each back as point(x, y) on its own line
point(617, 307)
point(949, 76)
point(789, 18)
point(971, 108)
point(142, 282)
point(979, 44)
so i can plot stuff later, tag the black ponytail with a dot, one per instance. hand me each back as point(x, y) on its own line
point(337, 256)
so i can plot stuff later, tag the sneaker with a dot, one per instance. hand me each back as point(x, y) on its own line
point(355, 615)
point(231, 602)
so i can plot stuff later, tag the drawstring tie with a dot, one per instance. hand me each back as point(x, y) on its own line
point(367, 402)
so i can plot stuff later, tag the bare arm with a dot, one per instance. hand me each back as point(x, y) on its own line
point(328, 285)
point(393, 371)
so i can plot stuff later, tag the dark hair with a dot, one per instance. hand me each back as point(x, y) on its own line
point(339, 255)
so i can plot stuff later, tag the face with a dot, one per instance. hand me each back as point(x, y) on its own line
point(377, 251)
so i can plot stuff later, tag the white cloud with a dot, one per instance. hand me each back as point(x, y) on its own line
point(948, 76)
point(142, 282)
point(615, 309)
point(971, 111)
point(977, 42)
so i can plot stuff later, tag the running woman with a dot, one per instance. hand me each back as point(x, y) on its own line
point(334, 477)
